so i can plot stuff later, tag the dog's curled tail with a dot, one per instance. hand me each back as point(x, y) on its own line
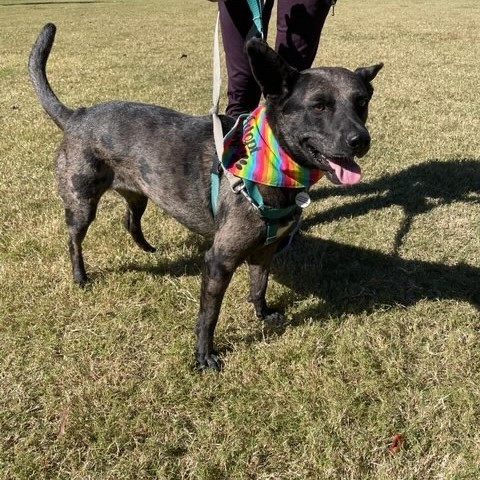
point(36, 69)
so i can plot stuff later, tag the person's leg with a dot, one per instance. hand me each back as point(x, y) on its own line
point(299, 25)
point(236, 21)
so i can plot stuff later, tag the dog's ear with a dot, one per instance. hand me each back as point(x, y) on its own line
point(271, 71)
point(369, 73)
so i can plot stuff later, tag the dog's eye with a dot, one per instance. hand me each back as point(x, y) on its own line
point(319, 107)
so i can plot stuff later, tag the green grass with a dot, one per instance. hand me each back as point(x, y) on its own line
point(381, 289)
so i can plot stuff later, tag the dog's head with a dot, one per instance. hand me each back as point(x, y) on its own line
point(317, 115)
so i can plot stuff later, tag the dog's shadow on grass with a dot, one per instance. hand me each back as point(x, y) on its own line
point(341, 278)
point(348, 279)
point(190, 264)
point(417, 189)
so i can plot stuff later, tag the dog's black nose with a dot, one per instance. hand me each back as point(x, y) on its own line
point(358, 142)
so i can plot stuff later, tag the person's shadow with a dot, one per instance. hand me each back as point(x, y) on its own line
point(345, 278)
point(341, 278)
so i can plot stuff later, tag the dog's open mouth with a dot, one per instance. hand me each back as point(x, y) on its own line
point(339, 170)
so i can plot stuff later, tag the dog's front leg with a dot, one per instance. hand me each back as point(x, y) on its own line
point(259, 267)
point(217, 273)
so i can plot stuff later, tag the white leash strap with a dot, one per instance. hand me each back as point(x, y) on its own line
point(217, 81)
point(236, 183)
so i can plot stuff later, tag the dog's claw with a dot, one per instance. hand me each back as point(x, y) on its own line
point(208, 362)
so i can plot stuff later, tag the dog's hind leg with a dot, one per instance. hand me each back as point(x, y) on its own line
point(82, 180)
point(78, 218)
point(136, 205)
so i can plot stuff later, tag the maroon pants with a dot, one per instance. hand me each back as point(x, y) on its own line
point(299, 25)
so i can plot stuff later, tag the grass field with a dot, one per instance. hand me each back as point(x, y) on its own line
point(381, 288)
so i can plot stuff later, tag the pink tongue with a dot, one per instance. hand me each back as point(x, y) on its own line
point(347, 171)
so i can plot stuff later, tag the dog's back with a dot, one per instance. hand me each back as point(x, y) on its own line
point(139, 145)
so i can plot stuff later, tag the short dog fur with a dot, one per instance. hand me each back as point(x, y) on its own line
point(148, 152)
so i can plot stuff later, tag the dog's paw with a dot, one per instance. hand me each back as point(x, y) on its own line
point(275, 319)
point(208, 362)
point(268, 314)
point(81, 280)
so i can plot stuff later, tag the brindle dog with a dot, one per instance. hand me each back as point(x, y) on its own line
point(148, 152)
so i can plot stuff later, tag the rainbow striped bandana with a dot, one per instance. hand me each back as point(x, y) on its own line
point(252, 152)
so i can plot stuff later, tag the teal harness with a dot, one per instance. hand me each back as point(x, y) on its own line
point(275, 227)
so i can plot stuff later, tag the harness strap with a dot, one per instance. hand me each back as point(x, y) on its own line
point(215, 180)
point(217, 80)
point(256, 9)
point(235, 183)
point(270, 213)
point(249, 190)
